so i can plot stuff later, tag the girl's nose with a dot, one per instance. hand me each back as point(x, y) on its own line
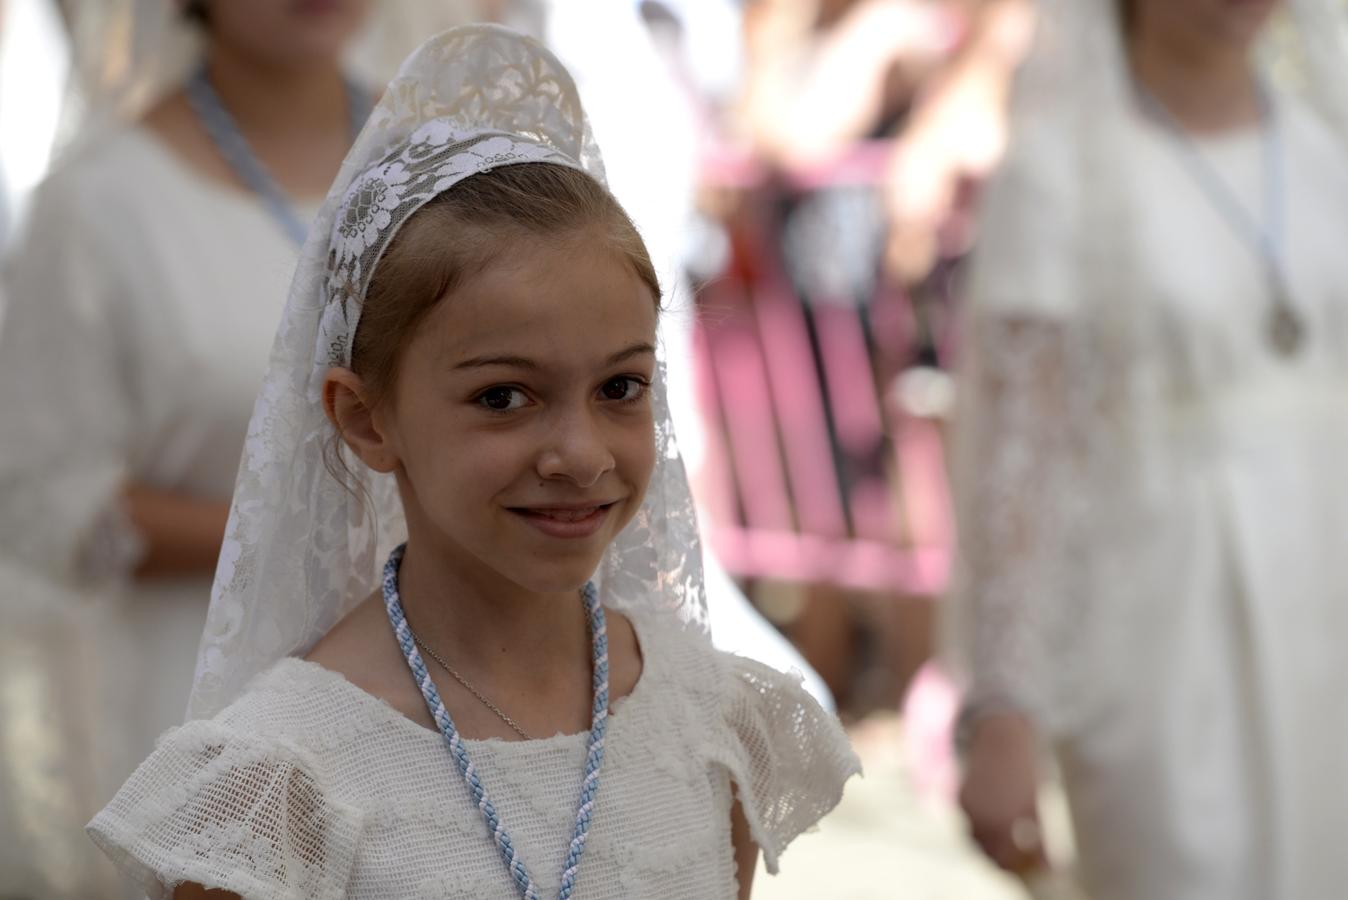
point(576, 451)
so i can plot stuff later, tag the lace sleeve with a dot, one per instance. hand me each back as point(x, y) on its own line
point(1021, 451)
point(69, 415)
point(214, 807)
point(787, 757)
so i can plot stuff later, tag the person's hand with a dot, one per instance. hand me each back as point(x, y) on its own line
point(955, 134)
point(1001, 782)
point(920, 188)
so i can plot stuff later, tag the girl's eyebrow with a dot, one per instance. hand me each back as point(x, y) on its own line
point(517, 362)
point(634, 350)
point(521, 362)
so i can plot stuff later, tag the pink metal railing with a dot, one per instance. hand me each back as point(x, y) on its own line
point(814, 473)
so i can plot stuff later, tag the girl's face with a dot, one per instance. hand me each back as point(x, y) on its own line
point(521, 419)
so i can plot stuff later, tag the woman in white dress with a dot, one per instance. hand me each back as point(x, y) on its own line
point(141, 306)
point(1154, 523)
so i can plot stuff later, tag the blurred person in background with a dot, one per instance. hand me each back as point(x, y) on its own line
point(952, 137)
point(823, 74)
point(931, 75)
point(1153, 519)
point(142, 302)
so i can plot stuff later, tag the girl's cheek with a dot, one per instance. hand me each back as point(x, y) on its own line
point(642, 455)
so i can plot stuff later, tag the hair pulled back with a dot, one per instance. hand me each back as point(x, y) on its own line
point(463, 231)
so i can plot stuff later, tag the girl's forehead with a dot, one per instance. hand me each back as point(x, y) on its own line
point(583, 300)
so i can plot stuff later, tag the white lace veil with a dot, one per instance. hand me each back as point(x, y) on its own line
point(301, 550)
point(1052, 450)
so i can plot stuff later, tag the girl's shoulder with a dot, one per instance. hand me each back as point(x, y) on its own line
point(302, 704)
point(682, 657)
point(787, 756)
point(360, 652)
point(685, 654)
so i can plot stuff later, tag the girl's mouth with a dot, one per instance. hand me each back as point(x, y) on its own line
point(565, 521)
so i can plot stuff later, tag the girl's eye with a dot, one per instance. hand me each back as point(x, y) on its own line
point(502, 399)
point(624, 389)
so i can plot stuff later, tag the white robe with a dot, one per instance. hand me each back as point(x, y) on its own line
point(1206, 751)
point(141, 306)
point(1223, 772)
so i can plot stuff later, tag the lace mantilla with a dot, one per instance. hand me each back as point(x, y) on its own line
point(467, 101)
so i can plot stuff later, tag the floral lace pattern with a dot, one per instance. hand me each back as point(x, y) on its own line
point(436, 156)
point(300, 550)
point(1031, 517)
point(238, 813)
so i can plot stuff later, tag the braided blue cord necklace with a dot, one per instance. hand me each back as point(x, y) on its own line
point(594, 759)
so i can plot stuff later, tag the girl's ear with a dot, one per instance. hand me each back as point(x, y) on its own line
point(346, 401)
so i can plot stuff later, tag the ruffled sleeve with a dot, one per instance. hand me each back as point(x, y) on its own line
point(226, 810)
point(1018, 457)
point(787, 757)
point(1051, 355)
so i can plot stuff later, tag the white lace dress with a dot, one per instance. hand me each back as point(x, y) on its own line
point(308, 787)
point(141, 306)
point(1155, 530)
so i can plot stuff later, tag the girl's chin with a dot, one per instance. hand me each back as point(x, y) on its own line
point(552, 570)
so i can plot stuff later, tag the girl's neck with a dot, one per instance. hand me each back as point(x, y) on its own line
point(481, 618)
point(268, 100)
point(1209, 86)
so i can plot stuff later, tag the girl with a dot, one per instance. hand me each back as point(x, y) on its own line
point(469, 348)
point(1153, 431)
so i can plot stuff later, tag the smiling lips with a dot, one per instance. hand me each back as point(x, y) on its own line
point(566, 521)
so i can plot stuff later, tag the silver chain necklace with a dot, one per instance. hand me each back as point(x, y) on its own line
point(1285, 327)
point(472, 690)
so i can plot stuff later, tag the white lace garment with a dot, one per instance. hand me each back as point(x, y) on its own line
point(1155, 521)
point(306, 786)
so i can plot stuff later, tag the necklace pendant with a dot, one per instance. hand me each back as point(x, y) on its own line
point(1286, 331)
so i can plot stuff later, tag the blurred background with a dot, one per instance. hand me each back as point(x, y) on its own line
point(807, 173)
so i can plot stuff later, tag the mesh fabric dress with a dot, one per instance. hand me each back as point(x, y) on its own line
point(306, 786)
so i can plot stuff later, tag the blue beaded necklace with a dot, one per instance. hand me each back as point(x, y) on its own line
point(233, 146)
point(594, 759)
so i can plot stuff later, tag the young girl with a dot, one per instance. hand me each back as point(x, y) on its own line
point(519, 700)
